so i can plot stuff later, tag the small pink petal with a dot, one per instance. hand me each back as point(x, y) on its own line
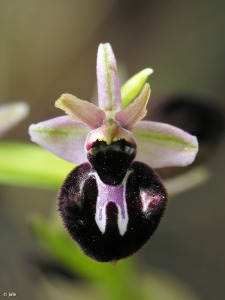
point(80, 110)
point(162, 145)
point(136, 110)
point(61, 136)
point(109, 96)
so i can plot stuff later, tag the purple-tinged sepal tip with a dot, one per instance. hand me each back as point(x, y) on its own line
point(109, 97)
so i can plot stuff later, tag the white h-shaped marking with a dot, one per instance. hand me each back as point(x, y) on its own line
point(115, 194)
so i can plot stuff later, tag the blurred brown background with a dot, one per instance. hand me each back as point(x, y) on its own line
point(48, 48)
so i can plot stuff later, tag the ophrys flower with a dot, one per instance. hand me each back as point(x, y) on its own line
point(111, 204)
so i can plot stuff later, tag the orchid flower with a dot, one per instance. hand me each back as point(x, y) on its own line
point(11, 114)
point(111, 204)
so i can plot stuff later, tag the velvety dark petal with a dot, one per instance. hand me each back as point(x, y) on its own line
point(145, 198)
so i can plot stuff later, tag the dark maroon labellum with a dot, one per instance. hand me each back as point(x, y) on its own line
point(111, 222)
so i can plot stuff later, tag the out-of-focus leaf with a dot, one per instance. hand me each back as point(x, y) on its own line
point(160, 285)
point(133, 86)
point(11, 114)
point(189, 180)
point(116, 280)
point(25, 164)
point(120, 281)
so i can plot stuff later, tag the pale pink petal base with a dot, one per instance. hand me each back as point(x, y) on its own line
point(161, 145)
point(110, 131)
point(62, 137)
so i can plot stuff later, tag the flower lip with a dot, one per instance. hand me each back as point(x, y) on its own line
point(111, 223)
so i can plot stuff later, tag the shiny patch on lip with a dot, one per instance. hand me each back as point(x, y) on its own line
point(114, 147)
point(117, 195)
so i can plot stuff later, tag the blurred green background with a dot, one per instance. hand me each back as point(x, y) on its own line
point(48, 48)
